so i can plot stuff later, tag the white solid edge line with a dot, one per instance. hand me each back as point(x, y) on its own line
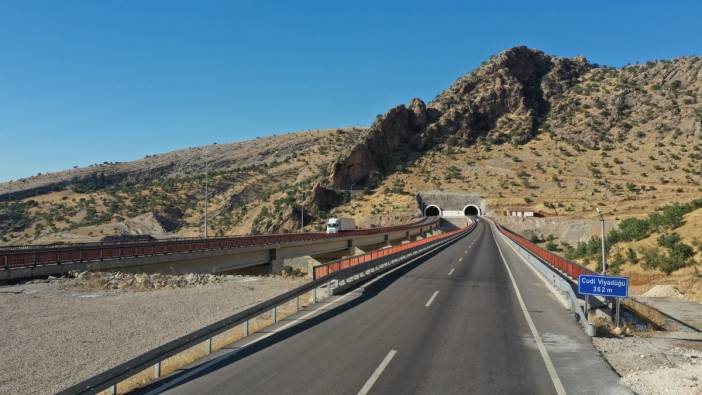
point(539, 343)
point(565, 302)
point(431, 299)
point(451, 272)
point(197, 369)
point(189, 373)
point(376, 374)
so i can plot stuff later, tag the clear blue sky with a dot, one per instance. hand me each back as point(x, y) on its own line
point(83, 82)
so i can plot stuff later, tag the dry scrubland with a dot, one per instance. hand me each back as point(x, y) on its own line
point(687, 281)
point(162, 195)
point(56, 334)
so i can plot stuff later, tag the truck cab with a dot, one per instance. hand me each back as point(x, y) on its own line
point(336, 225)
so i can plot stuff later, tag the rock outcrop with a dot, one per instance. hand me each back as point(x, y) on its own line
point(388, 142)
point(170, 218)
point(505, 100)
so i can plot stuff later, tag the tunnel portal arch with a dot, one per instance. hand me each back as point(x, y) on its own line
point(471, 210)
point(432, 211)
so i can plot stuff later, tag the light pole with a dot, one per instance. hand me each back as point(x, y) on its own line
point(206, 197)
point(302, 212)
point(602, 246)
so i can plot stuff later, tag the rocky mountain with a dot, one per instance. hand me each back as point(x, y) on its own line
point(521, 92)
point(525, 128)
point(505, 100)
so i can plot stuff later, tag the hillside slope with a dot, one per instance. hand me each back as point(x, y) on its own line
point(524, 129)
point(163, 195)
point(675, 248)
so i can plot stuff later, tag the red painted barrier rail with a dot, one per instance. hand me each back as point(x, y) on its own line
point(331, 267)
point(24, 256)
point(571, 269)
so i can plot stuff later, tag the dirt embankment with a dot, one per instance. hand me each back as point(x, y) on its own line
point(566, 230)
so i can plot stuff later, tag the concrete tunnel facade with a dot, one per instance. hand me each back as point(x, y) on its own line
point(450, 204)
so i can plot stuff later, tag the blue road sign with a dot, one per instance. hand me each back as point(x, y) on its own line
point(593, 284)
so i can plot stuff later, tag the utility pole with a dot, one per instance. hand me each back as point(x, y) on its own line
point(206, 197)
point(602, 246)
point(302, 212)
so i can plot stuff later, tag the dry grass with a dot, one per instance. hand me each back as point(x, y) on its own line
point(526, 176)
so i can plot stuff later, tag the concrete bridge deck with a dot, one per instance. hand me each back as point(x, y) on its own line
point(216, 255)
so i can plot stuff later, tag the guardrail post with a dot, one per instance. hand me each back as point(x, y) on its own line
point(314, 295)
point(246, 328)
point(112, 390)
point(297, 303)
point(157, 370)
point(275, 314)
point(208, 346)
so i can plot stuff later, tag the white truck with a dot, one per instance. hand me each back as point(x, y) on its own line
point(336, 225)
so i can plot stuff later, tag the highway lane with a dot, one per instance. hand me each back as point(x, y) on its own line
point(451, 323)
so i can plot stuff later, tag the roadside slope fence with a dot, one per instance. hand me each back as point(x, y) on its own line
point(122, 378)
point(28, 256)
point(344, 263)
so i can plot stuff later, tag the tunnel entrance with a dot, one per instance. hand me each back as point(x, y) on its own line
point(432, 211)
point(471, 210)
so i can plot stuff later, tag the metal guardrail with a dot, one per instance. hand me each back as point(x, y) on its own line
point(571, 270)
point(110, 378)
point(92, 252)
point(340, 264)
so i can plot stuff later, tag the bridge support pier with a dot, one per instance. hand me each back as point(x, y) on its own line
point(275, 264)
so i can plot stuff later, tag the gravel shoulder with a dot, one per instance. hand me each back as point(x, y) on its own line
point(657, 363)
point(55, 336)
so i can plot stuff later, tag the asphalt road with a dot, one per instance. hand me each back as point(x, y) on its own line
point(450, 323)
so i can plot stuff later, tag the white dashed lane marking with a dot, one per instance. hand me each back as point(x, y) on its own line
point(431, 299)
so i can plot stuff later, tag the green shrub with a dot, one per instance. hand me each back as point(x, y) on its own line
point(631, 256)
point(552, 246)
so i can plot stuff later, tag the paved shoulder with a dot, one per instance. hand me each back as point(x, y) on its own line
point(578, 364)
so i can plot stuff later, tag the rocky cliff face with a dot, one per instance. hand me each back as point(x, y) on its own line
point(389, 141)
point(505, 100)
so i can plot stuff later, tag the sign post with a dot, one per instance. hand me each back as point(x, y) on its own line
point(612, 286)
